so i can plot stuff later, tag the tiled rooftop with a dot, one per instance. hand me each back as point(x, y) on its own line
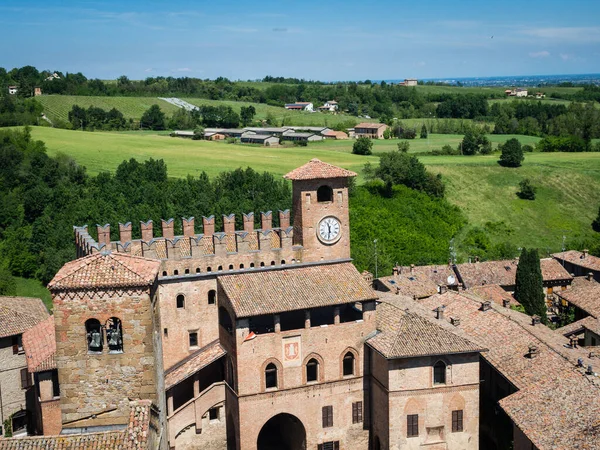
point(39, 343)
point(580, 258)
point(272, 292)
point(135, 437)
point(404, 334)
point(557, 406)
point(18, 314)
point(103, 270)
point(193, 363)
point(369, 125)
point(493, 293)
point(585, 294)
point(438, 274)
point(315, 169)
point(412, 285)
point(553, 270)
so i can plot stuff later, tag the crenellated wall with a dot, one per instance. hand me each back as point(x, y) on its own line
point(266, 245)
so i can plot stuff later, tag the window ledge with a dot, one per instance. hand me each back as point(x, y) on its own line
point(94, 352)
point(115, 352)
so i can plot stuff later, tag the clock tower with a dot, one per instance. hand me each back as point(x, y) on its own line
point(320, 210)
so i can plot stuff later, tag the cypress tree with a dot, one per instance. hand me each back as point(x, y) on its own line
point(529, 290)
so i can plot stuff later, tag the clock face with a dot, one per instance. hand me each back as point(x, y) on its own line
point(329, 230)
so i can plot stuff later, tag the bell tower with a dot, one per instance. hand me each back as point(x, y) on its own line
point(320, 210)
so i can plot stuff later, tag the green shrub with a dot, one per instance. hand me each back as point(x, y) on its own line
point(526, 190)
point(512, 154)
point(362, 146)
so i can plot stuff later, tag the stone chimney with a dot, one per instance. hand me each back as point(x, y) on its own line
point(486, 305)
point(168, 228)
point(229, 224)
point(412, 268)
point(505, 302)
point(477, 259)
point(439, 312)
point(188, 226)
point(534, 351)
point(442, 288)
point(147, 232)
point(584, 253)
point(125, 232)
point(590, 276)
point(103, 234)
point(284, 219)
point(266, 219)
point(590, 370)
point(455, 321)
point(208, 226)
point(535, 320)
point(248, 222)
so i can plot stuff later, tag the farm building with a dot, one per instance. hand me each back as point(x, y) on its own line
point(272, 131)
point(214, 136)
point(262, 139)
point(300, 106)
point(315, 130)
point(330, 106)
point(370, 130)
point(300, 137)
point(331, 134)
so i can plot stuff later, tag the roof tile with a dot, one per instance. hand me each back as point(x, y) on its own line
point(18, 314)
point(39, 344)
point(317, 169)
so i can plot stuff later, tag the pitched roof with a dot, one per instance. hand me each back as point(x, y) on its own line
point(557, 405)
point(587, 323)
point(193, 363)
point(136, 436)
point(494, 293)
point(404, 334)
point(102, 270)
point(582, 259)
point(276, 291)
point(438, 274)
point(369, 125)
point(335, 134)
point(39, 344)
point(411, 285)
point(585, 294)
point(552, 270)
point(18, 314)
point(315, 169)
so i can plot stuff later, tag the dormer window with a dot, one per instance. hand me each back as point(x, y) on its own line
point(324, 194)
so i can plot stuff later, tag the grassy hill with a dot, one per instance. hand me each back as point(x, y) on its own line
point(568, 183)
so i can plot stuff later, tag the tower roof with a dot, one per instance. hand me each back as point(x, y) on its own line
point(315, 169)
point(102, 270)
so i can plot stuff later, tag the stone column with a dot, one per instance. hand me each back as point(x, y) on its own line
point(336, 315)
point(307, 318)
point(277, 320)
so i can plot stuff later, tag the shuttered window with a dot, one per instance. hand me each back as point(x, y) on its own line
point(457, 421)
point(331, 445)
point(327, 416)
point(357, 412)
point(412, 425)
point(25, 379)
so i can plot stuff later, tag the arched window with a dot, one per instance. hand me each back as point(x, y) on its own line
point(164, 273)
point(209, 269)
point(272, 263)
point(312, 370)
point(95, 339)
point(324, 194)
point(220, 268)
point(271, 376)
point(251, 265)
point(180, 301)
point(262, 264)
point(197, 269)
point(176, 272)
point(439, 373)
point(348, 364)
point(241, 266)
point(187, 271)
point(282, 262)
point(212, 297)
point(114, 335)
point(230, 266)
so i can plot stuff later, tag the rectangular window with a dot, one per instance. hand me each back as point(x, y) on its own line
point(412, 425)
point(213, 414)
point(457, 421)
point(17, 344)
point(331, 445)
point(25, 379)
point(327, 416)
point(357, 412)
point(55, 384)
point(193, 339)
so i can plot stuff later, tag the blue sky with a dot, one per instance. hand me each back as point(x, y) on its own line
point(326, 40)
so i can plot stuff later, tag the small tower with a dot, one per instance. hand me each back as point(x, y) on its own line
point(320, 210)
point(106, 345)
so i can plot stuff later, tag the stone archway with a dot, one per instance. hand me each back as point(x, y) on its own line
point(282, 432)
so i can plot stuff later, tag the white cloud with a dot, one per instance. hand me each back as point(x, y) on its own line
point(183, 69)
point(566, 34)
point(148, 70)
point(542, 54)
point(565, 56)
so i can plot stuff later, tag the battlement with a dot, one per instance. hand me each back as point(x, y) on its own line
point(192, 245)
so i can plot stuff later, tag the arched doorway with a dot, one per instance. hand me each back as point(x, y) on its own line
point(282, 432)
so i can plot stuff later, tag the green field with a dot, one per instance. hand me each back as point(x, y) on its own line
point(29, 287)
point(58, 106)
point(568, 183)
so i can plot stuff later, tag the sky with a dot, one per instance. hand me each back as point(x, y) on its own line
point(325, 40)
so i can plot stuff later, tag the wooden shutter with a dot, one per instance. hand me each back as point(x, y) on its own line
point(412, 425)
point(336, 445)
point(327, 416)
point(357, 413)
point(25, 379)
point(457, 420)
point(15, 345)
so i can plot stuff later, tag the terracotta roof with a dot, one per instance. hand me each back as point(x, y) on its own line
point(585, 294)
point(404, 335)
point(315, 169)
point(336, 134)
point(587, 323)
point(276, 291)
point(102, 270)
point(39, 344)
point(557, 405)
point(193, 363)
point(552, 270)
point(411, 285)
point(18, 314)
point(369, 125)
point(136, 436)
point(586, 260)
point(494, 293)
point(437, 273)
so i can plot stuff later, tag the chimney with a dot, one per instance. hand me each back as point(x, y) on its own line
point(125, 232)
point(395, 272)
point(188, 226)
point(229, 224)
point(584, 253)
point(266, 220)
point(486, 305)
point(533, 351)
point(147, 233)
point(455, 321)
point(590, 276)
point(505, 302)
point(249, 222)
point(439, 312)
point(477, 259)
point(412, 268)
point(450, 262)
point(590, 370)
point(535, 319)
point(103, 234)
point(442, 288)
point(284, 219)
point(168, 228)
point(208, 226)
